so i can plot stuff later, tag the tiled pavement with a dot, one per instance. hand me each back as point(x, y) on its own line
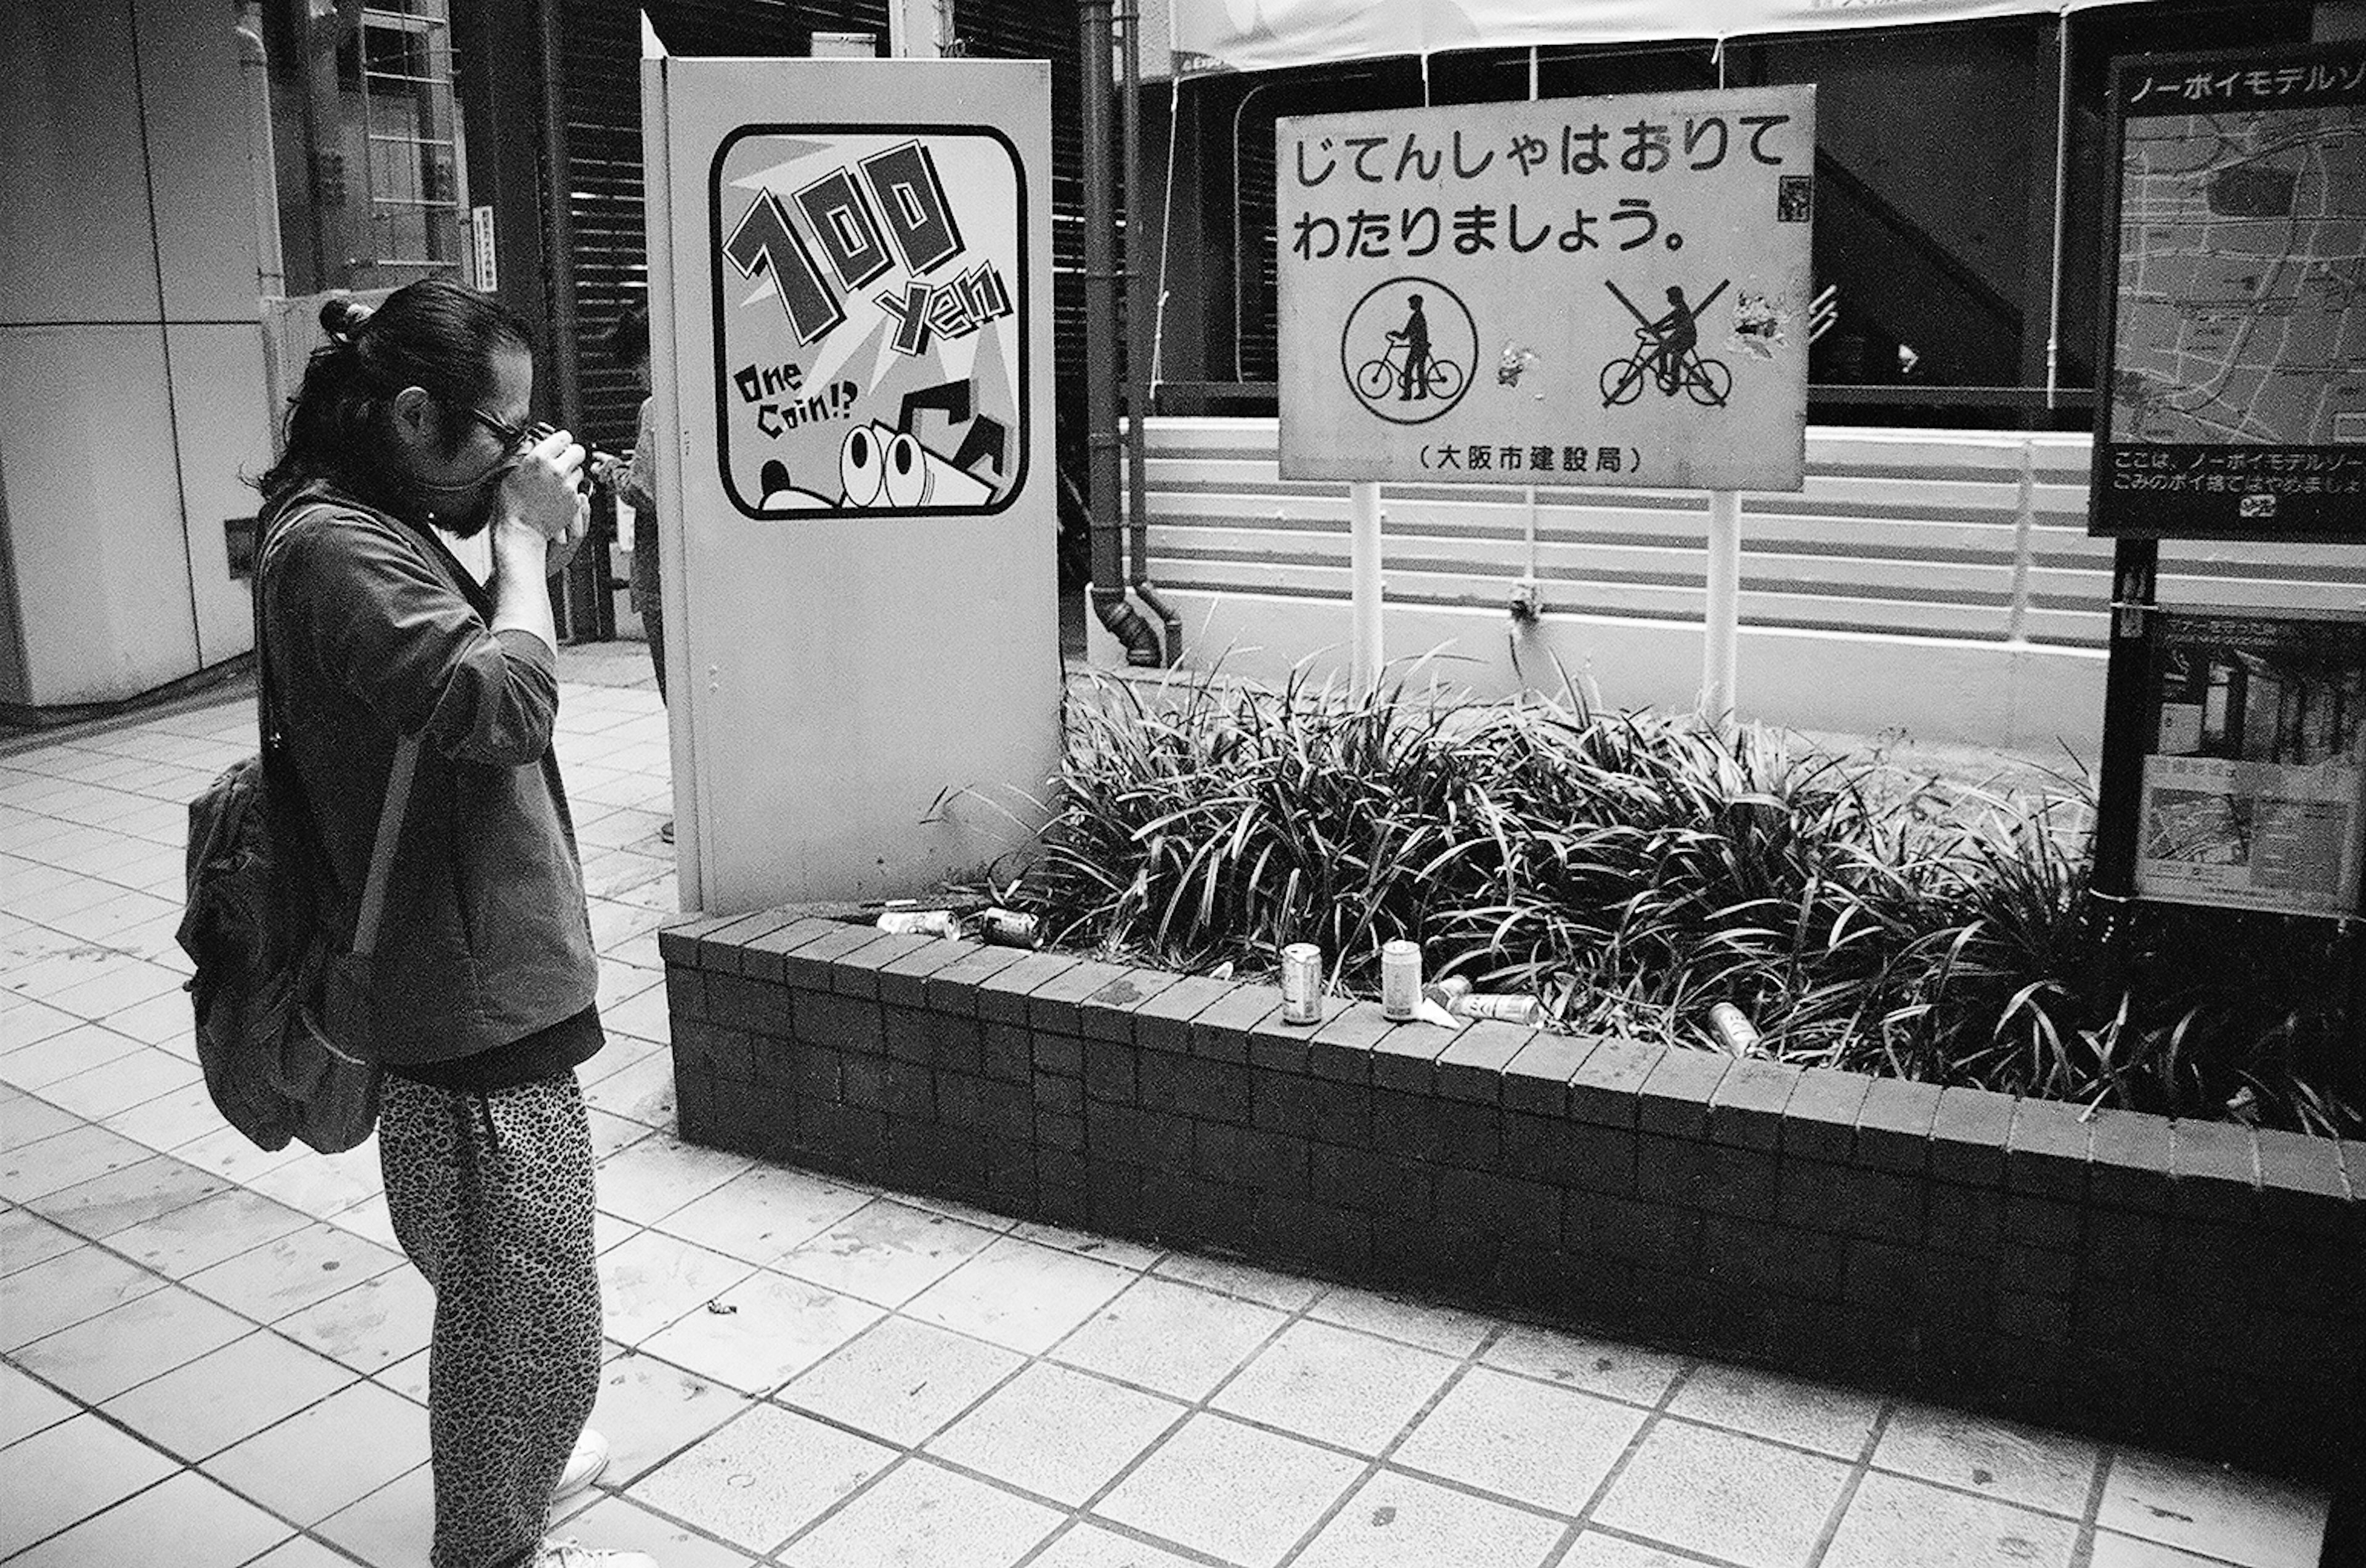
point(211, 1356)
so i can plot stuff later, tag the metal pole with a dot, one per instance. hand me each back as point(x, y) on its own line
point(1364, 581)
point(1723, 611)
point(1139, 318)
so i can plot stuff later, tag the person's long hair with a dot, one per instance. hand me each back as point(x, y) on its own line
point(432, 334)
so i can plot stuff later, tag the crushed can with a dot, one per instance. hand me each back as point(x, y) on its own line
point(1502, 1008)
point(1400, 980)
point(1447, 989)
point(1009, 927)
point(920, 922)
point(1301, 983)
point(1734, 1031)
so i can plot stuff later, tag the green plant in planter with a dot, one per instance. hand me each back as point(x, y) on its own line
point(1633, 869)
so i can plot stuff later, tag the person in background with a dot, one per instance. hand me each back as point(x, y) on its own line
point(636, 480)
point(479, 1005)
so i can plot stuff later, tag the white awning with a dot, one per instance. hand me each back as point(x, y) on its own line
point(1264, 34)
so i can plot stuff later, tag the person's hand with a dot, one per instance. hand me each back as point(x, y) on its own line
point(544, 489)
point(607, 468)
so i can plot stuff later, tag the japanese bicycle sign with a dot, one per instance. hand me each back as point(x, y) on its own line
point(1577, 291)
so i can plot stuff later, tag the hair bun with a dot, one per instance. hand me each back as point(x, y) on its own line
point(341, 318)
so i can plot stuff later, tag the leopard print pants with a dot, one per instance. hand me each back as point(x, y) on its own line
point(491, 1198)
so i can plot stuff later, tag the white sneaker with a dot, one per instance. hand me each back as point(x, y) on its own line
point(574, 1554)
point(583, 1466)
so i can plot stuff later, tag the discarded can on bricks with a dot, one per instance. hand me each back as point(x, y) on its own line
point(1009, 927)
point(1502, 1008)
point(1400, 979)
point(920, 922)
point(1445, 991)
point(1734, 1030)
point(1301, 983)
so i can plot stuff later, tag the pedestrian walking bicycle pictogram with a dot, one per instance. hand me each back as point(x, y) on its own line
point(1667, 353)
point(1407, 349)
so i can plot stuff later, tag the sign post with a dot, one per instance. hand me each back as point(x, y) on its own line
point(1606, 292)
point(1364, 585)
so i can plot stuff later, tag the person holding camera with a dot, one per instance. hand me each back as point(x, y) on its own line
point(479, 1005)
point(634, 479)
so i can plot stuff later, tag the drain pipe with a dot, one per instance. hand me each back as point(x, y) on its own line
point(1140, 315)
point(1102, 478)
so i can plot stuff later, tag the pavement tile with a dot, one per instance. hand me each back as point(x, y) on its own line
point(27, 1404)
point(1018, 1294)
point(394, 1527)
point(130, 1079)
point(64, 1473)
point(1398, 1521)
point(760, 1333)
point(371, 1325)
point(120, 1198)
point(228, 1152)
point(923, 1513)
point(208, 1526)
point(1233, 1490)
point(2112, 1550)
point(763, 1477)
point(1174, 1339)
point(327, 1455)
point(1813, 1416)
point(642, 1092)
point(1574, 1360)
point(616, 1524)
point(25, 1239)
point(59, 1291)
point(885, 1251)
point(1090, 1545)
point(299, 1270)
point(2020, 1464)
point(1892, 1520)
point(65, 1159)
point(2244, 1519)
point(1724, 1495)
point(207, 1231)
point(1337, 1386)
point(324, 1186)
point(1103, 1249)
point(761, 1214)
point(26, 1120)
point(226, 1395)
point(657, 1176)
point(101, 1357)
point(649, 1411)
point(1446, 1330)
point(1285, 1292)
point(652, 1280)
point(903, 1379)
point(1549, 1446)
point(1595, 1550)
point(1058, 1432)
point(170, 1120)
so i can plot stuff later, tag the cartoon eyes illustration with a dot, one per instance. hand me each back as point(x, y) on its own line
point(890, 471)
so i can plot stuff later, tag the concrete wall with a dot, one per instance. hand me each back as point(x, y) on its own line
point(131, 364)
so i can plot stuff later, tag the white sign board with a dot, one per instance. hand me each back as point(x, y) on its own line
point(1576, 291)
point(850, 311)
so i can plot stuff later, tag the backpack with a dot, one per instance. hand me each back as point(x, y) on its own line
point(268, 973)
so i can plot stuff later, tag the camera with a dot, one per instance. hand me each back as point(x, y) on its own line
point(597, 464)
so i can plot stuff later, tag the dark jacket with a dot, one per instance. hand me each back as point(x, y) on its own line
point(486, 938)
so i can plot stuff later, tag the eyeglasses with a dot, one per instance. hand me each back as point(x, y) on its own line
point(514, 437)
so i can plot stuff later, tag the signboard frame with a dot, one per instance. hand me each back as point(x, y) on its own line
point(2266, 481)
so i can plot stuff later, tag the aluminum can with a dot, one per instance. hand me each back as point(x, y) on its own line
point(1505, 1008)
point(920, 922)
point(1447, 989)
point(1734, 1030)
point(1009, 927)
point(1400, 979)
point(1301, 983)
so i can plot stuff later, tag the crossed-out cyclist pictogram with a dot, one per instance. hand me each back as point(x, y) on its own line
point(1667, 353)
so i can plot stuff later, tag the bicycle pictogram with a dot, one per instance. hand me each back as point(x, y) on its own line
point(1426, 344)
point(1667, 353)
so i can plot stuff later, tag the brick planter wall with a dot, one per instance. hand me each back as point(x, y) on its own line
point(2196, 1285)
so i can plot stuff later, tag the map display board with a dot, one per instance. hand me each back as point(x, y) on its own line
point(1577, 291)
point(2235, 363)
point(2254, 794)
